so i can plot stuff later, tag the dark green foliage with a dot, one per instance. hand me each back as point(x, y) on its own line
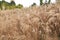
point(5, 5)
point(0, 3)
point(41, 2)
point(49, 1)
point(12, 3)
point(33, 4)
point(19, 6)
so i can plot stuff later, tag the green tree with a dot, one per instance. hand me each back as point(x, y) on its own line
point(5, 5)
point(12, 4)
point(8, 5)
point(33, 4)
point(19, 6)
point(41, 2)
point(0, 5)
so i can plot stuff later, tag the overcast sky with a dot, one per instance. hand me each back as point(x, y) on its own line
point(27, 3)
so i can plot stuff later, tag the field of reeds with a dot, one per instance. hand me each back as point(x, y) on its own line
point(33, 23)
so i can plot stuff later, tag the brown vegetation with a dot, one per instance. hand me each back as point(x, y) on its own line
point(34, 23)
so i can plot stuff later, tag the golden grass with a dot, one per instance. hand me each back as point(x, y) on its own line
point(33, 23)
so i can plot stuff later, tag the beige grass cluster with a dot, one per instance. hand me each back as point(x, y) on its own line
point(33, 23)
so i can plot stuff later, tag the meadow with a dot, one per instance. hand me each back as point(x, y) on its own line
point(33, 23)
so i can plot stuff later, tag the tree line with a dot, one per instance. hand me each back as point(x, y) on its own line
point(5, 5)
point(41, 2)
point(46, 2)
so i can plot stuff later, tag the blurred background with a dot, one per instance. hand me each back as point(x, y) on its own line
point(11, 4)
point(27, 3)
